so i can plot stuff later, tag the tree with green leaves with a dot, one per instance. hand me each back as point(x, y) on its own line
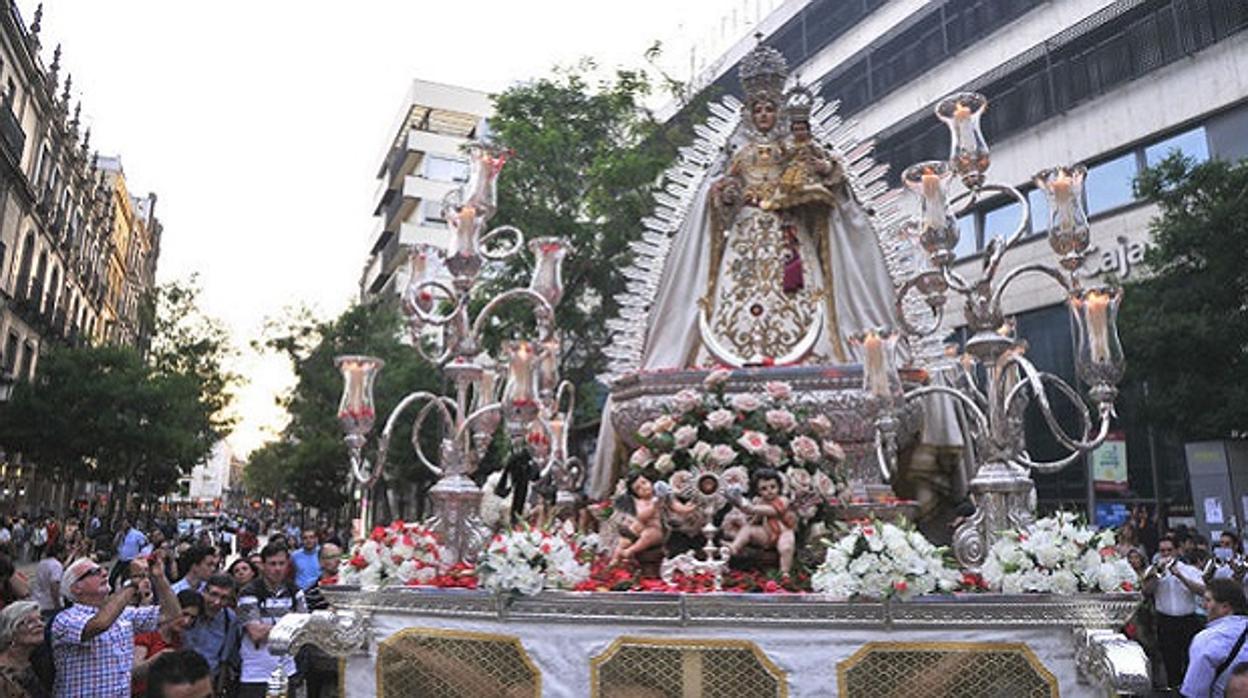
point(1185, 326)
point(586, 160)
point(111, 414)
point(309, 460)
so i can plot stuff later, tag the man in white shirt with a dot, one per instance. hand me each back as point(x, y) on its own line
point(46, 590)
point(1221, 644)
point(1176, 588)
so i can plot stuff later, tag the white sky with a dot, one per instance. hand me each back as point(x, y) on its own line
point(258, 124)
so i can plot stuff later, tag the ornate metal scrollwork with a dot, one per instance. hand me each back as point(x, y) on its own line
point(338, 633)
point(1108, 659)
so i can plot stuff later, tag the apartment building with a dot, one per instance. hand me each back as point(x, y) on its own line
point(422, 161)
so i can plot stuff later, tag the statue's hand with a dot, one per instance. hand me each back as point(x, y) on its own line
point(662, 489)
point(733, 494)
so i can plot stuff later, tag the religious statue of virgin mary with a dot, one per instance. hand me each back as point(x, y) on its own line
point(760, 251)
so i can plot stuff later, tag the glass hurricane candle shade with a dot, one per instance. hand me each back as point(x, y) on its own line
point(1069, 234)
point(1098, 353)
point(484, 164)
point(548, 256)
point(879, 362)
point(937, 231)
point(520, 395)
point(968, 151)
point(356, 411)
point(420, 270)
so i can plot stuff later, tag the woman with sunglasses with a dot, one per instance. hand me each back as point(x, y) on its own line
point(21, 631)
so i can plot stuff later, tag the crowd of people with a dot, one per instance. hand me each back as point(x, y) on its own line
point(180, 613)
point(1194, 620)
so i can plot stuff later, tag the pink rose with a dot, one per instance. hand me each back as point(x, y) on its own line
point(805, 449)
point(781, 419)
point(700, 451)
point(723, 454)
point(779, 390)
point(646, 430)
point(774, 455)
point(686, 400)
point(833, 451)
point(685, 436)
point(820, 424)
point(745, 403)
point(720, 419)
point(641, 457)
point(717, 378)
point(753, 441)
point(664, 424)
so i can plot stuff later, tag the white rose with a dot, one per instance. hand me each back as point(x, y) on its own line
point(779, 390)
point(720, 419)
point(685, 436)
point(753, 441)
point(686, 400)
point(717, 378)
point(664, 424)
point(833, 451)
point(700, 451)
point(745, 403)
point(723, 454)
point(781, 419)
point(805, 450)
point(736, 476)
point(641, 457)
point(820, 424)
point(665, 463)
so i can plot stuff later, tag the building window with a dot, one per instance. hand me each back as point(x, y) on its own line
point(1110, 184)
point(28, 356)
point(1193, 144)
point(1039, 211)
point(967, 242)
point(10, 353)
point(444, 169)
point(431, 214)
point(1001, 221)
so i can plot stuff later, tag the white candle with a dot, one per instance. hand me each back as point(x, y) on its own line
point(933, 200)
point(1098, 325)
point(877, 375)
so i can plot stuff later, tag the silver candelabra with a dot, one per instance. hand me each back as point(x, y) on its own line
point(523, 393)
point(996, 397)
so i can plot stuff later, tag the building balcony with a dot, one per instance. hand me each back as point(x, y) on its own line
point(12, 137)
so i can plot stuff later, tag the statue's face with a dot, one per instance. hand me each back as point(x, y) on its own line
point(643, 488)
point(768, 489)
point(801, 130)
point(764, 115)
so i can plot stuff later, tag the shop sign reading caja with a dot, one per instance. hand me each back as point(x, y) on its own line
point(1109, 464)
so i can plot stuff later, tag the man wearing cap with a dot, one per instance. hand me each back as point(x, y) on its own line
point(93, 640)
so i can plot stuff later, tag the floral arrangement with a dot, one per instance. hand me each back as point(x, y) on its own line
point(709, 430)
point(527, 560)
point(1057, 554)
point(603, 576)
point(882, 560)
point(401, 553)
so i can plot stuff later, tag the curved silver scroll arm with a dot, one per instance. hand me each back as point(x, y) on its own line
point(1035, 381)
point(449, 411)
point(541, 309)
point(1017, 272)
point(885, 445)
point(358, 464)
point(516, 246)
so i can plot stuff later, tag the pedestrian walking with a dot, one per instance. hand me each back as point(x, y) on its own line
point(264, 602)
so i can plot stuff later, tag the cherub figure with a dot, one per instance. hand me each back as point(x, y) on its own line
point(643, 528)
point(771, 523)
